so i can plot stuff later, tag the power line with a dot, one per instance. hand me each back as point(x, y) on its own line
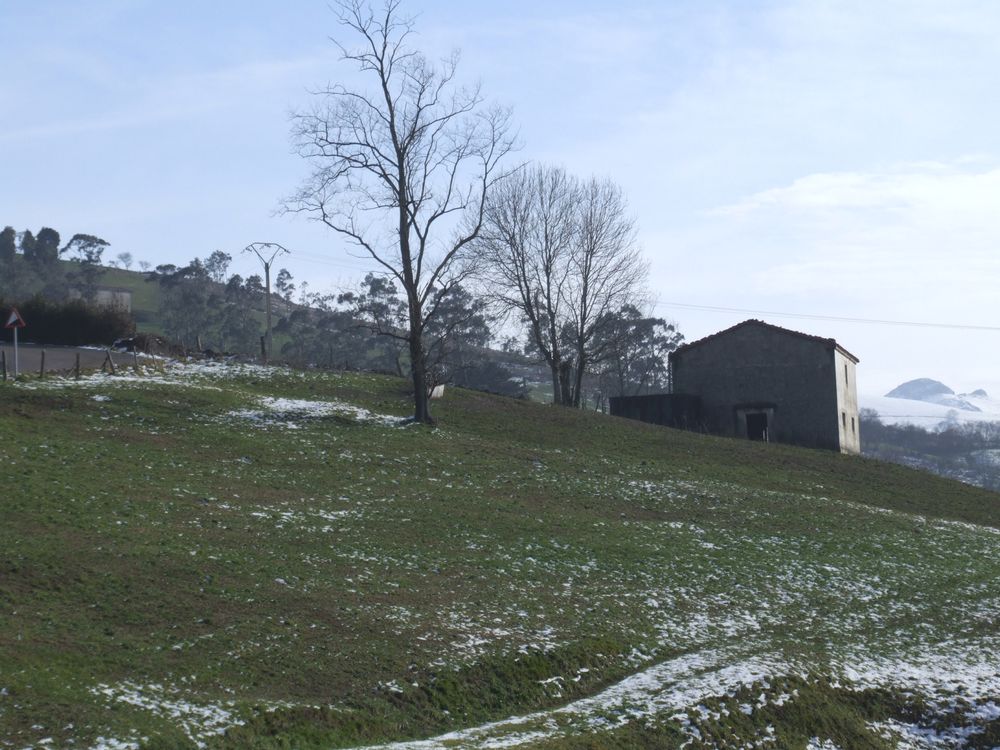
point(808, 316)
point(322, 260)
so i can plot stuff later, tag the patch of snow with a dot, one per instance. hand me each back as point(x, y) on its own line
point(284, 412)
point(110, 743)
point(198, 721)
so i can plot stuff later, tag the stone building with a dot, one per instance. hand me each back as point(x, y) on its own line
point(764, 382)
point(114, 297)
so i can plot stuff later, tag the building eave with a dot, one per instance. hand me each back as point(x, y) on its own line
point(830, 343)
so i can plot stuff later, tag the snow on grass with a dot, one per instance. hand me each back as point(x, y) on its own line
point(663, 690)
point(111, 743)
point(743, 584)
point(732, 579)
point(677, 688)
point(290, 413)
point(198, 721)
point(197, 373)
point(816, 744)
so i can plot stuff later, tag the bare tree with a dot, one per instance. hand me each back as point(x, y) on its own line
point(607, 272)
point(402, 171)
point(561, 254)
point(524, 248)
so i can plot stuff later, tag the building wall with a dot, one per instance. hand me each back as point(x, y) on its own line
point(847, 404)
point(756, 369)
point(118, 299)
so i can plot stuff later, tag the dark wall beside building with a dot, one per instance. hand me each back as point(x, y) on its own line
point(671, 410)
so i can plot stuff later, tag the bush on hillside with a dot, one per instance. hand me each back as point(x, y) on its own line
point(72, 323)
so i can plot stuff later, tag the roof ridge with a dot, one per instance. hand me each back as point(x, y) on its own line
point(831, 342)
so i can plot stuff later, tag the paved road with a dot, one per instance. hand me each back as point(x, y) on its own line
point(58, 358)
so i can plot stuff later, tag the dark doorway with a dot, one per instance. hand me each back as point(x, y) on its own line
point(757, 426)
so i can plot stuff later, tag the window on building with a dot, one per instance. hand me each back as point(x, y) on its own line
point(843, 418)
point(852, 426)
point(845, 373)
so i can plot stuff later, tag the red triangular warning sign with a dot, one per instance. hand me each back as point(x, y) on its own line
point(14, 320)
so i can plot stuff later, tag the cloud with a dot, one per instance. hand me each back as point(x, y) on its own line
point(178, 96)
point(904, 227)
point(963, 188)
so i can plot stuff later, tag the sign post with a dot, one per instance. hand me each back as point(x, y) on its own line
point(15, 321)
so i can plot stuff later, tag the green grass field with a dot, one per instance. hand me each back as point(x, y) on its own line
point(145, 296)
point(234, 556)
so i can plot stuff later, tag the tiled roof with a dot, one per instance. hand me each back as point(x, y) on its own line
point(831, 343)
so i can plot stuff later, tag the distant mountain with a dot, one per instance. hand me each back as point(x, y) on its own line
point(934, 392)
point(959, 435)
point(920, 389)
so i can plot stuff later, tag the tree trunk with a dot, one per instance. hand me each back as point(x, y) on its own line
point(556, 385)
point(581, 363)
point(565, 372)
point(421, 397)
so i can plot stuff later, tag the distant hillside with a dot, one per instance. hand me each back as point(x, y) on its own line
point(145, 296)
point(243, 557)
point(933, 392)
point(924, 424)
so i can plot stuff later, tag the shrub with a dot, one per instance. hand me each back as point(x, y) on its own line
point(72, 323)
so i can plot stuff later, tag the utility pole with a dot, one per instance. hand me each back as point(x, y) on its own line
point(266, 252)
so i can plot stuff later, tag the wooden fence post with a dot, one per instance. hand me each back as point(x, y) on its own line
point(76, 370)
point(41, 369)
point(3, 362)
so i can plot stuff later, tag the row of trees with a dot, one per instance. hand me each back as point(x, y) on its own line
point(415, 173)
point(30, 264)
point(201, 304)
point(560, 254)
point(366, 328)
point(969, 452)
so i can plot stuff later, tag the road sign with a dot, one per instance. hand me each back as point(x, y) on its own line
point(14, 320)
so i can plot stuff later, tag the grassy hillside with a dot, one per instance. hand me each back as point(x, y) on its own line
point(249, 557)
point(145, 296)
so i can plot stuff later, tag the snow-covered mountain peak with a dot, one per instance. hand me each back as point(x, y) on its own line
point(933, 392)
point(931, 404)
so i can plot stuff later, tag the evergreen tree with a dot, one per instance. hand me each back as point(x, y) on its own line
point(88, 250)
point(46, 249)
point(216, 266)
point(27, 244)
point(633, 351)
point(8, 260)
point(284, 286)
point(8, 246)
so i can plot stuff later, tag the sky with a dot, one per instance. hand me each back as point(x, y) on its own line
point(801, 162)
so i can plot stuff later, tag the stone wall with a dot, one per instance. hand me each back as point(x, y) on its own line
point(760, 369)
point(847, 403)
point(671, 410)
